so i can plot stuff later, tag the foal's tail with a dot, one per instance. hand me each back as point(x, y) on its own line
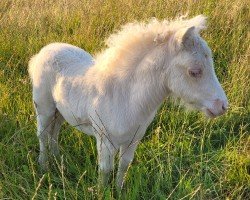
point(31, 68)
point(40, 70)
point(41, 78)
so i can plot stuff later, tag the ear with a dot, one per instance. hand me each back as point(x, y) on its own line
point(200, 22)
point(184, 34)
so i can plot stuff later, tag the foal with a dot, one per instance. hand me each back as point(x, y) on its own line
point(115, 95)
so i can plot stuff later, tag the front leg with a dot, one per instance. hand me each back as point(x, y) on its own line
point(126, 157)
point(106, 154)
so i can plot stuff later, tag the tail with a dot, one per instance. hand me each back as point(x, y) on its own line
point(31, 68)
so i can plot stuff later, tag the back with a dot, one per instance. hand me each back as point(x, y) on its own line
point(68, 60)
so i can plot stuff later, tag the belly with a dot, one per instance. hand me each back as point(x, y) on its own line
point(82, 124)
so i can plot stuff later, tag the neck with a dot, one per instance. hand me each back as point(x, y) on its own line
point(140, 87)
point(148, 89)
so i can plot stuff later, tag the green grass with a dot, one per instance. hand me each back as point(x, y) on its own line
point(182, 156)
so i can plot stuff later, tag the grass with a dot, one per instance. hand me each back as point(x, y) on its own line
point(182, 156)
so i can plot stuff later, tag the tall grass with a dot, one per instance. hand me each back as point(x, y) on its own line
point(182, 156)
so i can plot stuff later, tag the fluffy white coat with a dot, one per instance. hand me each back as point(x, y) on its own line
point(115, 96)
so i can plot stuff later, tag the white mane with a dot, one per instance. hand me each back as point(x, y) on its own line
point(138, 38)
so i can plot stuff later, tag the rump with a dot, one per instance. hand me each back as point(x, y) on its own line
point(59, 59)
point(52, 62)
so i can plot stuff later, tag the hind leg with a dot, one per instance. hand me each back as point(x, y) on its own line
point(53, 137)
point(45, 122)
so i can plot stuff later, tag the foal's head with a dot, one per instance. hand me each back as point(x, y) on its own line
point(191, 73)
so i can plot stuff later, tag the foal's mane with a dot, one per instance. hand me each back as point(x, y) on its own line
point(137, 38)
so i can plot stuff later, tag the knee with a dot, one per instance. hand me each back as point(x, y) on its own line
point(106, 167)
point(124, 163)
point(46, 108)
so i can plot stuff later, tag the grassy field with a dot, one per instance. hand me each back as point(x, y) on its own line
point(182, 156)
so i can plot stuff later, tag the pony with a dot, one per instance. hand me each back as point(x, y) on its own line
point(115, 95)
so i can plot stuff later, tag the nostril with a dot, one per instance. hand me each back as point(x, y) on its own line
point(223, 108)
point(220, 105)
point(225, 105)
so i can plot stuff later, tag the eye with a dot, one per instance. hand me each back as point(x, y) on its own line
point(195, 72)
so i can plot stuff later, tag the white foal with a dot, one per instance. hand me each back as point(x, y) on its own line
point(115, 96)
